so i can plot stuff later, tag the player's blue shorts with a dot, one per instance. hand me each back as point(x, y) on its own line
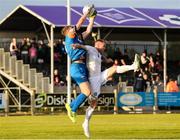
point(79, 72)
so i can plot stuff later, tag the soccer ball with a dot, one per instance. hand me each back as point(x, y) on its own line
point(89, 8)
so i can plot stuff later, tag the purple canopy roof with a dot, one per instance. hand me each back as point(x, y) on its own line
point(169, 17)
point(109, 17)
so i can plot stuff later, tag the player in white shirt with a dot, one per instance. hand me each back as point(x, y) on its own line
point(96, 77)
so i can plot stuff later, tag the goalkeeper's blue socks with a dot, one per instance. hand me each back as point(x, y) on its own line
point(77, 102)
point(72, 103)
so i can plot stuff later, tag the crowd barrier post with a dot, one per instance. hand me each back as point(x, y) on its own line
point(6, 102)
point(115, 101)
point(32, 103)
point(155, 107)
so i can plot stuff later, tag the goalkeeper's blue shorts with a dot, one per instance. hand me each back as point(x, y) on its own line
point(79, 72)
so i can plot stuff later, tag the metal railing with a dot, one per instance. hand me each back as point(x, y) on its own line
point(23, 77)
point(25, 74)
point(32, 73)
point(1, 58)
point(19, 65)
point(13, 66)
point(38, 82)
point(6, 62)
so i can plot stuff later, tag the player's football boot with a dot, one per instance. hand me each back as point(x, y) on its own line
point(71, 115)
point(86, 129)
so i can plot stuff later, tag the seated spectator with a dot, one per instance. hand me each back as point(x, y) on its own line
point(158, 57)
point(13, 48)
point(158, 67)
point(118, 55)
point(57, 52)
point(57, 79)
point(151, 64)
point(159, 83)
point(116, 62)
point(172, 85)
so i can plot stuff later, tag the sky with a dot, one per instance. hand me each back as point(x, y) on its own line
point(6, 6)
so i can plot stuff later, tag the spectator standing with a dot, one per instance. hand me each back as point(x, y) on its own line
point(41, 55)
point(172, 85)
point(140, 82)
point(144, 60)
point(33, 55)
point(25, 50)
point(13, 48)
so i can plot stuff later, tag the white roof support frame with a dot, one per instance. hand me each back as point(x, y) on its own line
point(157, 36)
point(30, 12)
point(165, 59)
point(50, 38)
point(47, 34)
point(108, 33)
point(68, 58)
point(52, 57)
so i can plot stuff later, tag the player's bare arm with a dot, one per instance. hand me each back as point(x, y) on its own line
point(81, 20)
point(86, 33)
point(77, 46)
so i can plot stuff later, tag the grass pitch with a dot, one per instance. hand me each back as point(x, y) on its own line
point(129, 126)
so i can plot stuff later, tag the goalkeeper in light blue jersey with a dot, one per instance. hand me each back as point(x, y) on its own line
point(78, 70)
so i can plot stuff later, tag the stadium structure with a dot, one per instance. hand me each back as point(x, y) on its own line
point(136, 27)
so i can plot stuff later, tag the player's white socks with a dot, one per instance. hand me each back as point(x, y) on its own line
point(124, 68)
point(89, 112)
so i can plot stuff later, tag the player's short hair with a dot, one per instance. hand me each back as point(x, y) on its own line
point(100, 40)
point(63, 31)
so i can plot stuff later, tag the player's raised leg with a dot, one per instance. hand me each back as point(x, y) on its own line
point(89, 112)
point(124, 68)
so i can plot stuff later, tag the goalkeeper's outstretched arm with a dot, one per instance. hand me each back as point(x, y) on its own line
point(81, 20)
point(89, 27)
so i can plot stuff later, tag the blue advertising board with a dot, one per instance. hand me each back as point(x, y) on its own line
point(135, 99)
point(168, 99)
point(1, 100)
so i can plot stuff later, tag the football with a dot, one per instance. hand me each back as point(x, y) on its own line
point(91, 9)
